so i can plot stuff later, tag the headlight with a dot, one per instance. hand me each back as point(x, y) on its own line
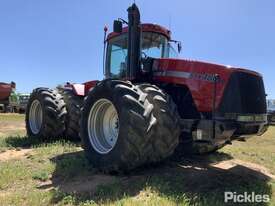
point(246, 118)
point(261, 118)
point(252, 118)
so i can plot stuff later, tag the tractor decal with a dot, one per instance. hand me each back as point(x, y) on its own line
point(190, 75)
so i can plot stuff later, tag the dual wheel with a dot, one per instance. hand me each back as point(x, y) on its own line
point(122, 125)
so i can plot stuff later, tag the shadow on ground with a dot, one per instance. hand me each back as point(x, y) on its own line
point(196, 179)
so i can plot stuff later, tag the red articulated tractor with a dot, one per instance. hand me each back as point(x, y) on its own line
point(150, 105)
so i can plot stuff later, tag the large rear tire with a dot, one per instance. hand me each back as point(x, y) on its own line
point(73, 106)
point(45, 114)
point(122, 127)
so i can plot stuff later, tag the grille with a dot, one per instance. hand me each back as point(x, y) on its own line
point(244, 94)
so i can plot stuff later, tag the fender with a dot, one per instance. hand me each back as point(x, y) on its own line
point(79, 89)
point(82, 89)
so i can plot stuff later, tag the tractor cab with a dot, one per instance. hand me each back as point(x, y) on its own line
point(155, 43)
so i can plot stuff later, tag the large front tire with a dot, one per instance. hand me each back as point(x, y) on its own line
point(165, 111)
point(137, 136)
point(45, 114)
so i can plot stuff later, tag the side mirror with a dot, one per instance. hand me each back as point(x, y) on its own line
point(117, 26)
point(179, 47)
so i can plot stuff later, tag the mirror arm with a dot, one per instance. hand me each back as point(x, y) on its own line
point(178, 43)
point(174, 41)
point(123, 21)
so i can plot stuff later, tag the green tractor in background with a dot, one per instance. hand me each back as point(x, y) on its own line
point(13, 102)
point(18, 102)
point(23, 102)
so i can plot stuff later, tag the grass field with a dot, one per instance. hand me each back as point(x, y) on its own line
point(56, 172)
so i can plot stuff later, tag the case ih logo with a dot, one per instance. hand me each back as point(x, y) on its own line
point(190, 75)
point(206, 77)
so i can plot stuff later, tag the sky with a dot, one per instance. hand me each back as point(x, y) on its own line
point(48, 42)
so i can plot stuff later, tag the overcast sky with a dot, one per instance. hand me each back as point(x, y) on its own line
point(47, 42)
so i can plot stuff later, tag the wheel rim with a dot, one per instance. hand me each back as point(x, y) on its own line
point(35, 117)
point(103, 126)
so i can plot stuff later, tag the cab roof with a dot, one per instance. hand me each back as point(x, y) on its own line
point(145, 28)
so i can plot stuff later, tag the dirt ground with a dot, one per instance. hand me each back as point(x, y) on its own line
point(10, 125)
point(191, 171)
point(14, 154)
point(187, 166)
point(62, 166)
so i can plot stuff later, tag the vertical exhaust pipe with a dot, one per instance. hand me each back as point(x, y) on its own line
point(134, 41)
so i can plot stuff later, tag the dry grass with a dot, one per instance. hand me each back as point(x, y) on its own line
point(57, 173)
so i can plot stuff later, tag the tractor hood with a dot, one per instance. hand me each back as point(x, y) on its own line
point(200, 78)
point(204, 70)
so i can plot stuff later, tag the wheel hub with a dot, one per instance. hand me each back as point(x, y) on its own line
point(35, 117)
point(103, 126)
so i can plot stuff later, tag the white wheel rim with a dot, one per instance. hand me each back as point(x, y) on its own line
point(35, 117)
point(103, 126)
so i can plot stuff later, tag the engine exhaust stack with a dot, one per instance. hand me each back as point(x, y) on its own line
point(134, 38)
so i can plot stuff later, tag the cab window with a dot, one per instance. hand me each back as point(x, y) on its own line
point(153, 45)
point(117, 57)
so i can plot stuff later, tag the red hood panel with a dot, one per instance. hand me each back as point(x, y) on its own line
point(203, 67)
point(198, 77)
